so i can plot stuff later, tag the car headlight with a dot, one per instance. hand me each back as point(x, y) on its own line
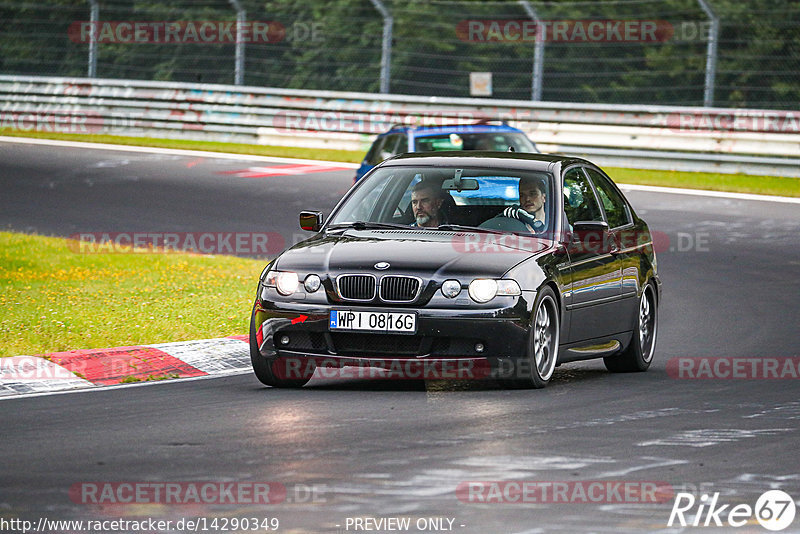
point(451, 288)
point(286, 282)
point(484, 289)
point(312, 283)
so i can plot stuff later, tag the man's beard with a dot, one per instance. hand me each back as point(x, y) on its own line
point(423, 219)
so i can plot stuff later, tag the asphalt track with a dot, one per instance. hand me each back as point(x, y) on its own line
point(400, 449)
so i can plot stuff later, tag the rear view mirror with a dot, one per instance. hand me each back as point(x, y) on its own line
point(311, 220)
point(460, 184)
point(466, 184)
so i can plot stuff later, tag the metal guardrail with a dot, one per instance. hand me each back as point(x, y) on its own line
point(657, 137)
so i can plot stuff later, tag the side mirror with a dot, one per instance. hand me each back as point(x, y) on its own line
point(311, 220)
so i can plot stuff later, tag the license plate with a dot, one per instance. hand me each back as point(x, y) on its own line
point(374, 321)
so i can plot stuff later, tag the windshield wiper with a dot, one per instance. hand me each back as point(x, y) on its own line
point(369, 225)
point(461, 227)
point(373, 225)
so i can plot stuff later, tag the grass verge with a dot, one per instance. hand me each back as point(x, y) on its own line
point(738, 183)
point(55, 299)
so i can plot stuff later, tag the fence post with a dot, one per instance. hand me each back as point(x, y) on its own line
point(241, 18)
point(537, 71)
point(386, 51)
point(94, 15)
point(711, 54)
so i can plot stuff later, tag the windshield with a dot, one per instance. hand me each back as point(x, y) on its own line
point(493, 199)
point(475, 141)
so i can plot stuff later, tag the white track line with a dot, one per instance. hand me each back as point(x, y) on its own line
point(172, 151)
point(98, 389)
point(270, 159)
point(705, 193)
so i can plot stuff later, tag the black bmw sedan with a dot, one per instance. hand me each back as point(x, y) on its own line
point(464, 265)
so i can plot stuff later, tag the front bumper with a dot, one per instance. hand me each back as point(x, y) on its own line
point(450, 336)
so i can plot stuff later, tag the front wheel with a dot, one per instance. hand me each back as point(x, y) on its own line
point(536, 368)
point(639, 354)
point(264, 369)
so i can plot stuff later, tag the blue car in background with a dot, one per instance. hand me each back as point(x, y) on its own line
point(480, 136)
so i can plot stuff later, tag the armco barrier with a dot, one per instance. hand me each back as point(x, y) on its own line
point(657, 137)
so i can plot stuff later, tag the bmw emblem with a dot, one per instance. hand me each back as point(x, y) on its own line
point(382, 265)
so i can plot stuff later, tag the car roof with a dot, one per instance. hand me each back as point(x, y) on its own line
point(422, 131)
point(511, 160)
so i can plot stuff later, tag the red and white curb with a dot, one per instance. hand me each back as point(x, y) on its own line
point(93, 368)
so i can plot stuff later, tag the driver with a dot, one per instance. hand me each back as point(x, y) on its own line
point(426, 201)
point(531, 209)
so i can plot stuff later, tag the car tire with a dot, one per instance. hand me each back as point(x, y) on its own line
point(536, 369)
point(263, 367)
point(638, 355)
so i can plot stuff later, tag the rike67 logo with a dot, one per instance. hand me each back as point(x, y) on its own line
point(774, 510)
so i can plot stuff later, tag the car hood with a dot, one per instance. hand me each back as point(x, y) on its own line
point(424, 253)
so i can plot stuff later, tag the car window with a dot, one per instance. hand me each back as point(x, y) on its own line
point(373, 156)
point(498, 141)
point(385, 147)
point(386, 197)
point(580, 204)
point(495, 191)
point(614, 205)
point(475, 141)
point(387, 150)
point(402, 145)
point(365, 203)
point(430, 143)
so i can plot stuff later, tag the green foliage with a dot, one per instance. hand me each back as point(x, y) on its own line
point(336, 45)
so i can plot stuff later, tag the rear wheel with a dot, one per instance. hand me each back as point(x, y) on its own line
point(264, 368)
point(536, 368)
point(639, 353)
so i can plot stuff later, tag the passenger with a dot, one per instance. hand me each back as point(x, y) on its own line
point(531, 208)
